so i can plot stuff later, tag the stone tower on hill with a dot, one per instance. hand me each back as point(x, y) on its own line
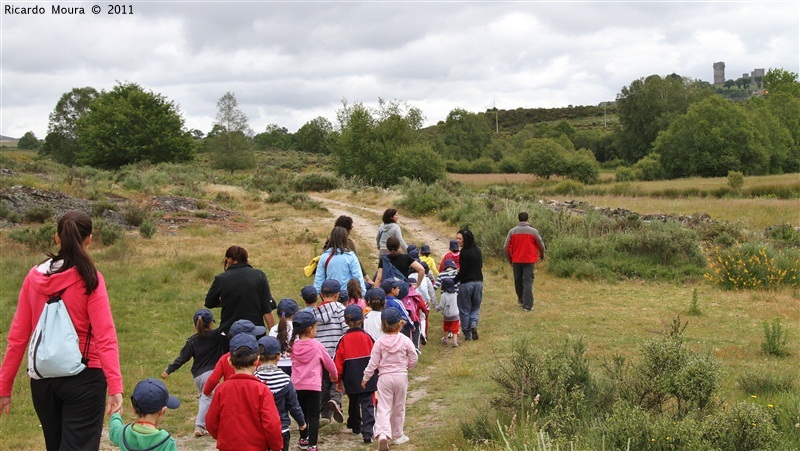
point(719, 73)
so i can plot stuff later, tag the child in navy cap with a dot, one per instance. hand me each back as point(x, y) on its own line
point(243, 413)
point(331, 327)
point(287, 308)
point(453, 254)
point(449, 308)
point(352, 357)
point(223, 368)
point(280, 384)
point(310, 296)
point(150, 400)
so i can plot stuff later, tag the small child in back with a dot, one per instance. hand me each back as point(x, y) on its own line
point(280, 384)
point(354, 294)
point(223, 369)
point(150, 401)
point(425, 256)
point(453, 254)
point(393, 355)
point(243, 415)
point(372, 321)
point(205, 348)
point(309, 358)
point(287, 308)
point(449, 271)
point(352, 357)
point(331, 327)
point(310, 297)
point(449, 308)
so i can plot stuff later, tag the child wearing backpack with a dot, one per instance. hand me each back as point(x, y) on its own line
point(449, 308)
point(352, 357)
point(205, 348)
point(280, 384)
point(150, 400)
point(393, 355)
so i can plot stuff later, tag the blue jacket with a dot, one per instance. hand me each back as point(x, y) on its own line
point(342, 267)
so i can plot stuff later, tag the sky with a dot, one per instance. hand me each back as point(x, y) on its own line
point(290, 62)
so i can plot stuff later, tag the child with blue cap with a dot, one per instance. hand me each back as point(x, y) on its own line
point(150, 400)
point(280, 384)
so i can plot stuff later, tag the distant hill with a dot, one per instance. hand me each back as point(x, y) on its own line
point(7, 138)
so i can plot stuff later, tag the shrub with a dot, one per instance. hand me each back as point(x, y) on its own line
point(269, 179)
point(624, 174)
point(766, 383)
point(735, 179)
point(108, 233)
point(784, 234)
point(41, 213)
point(569, 187)
point(694, 308)
point(509, 166)
point(136, 215)
point(744, 426)
point(100, 207)
point(419, 198)
point(147, 228)
point(38, 239)
point(774, 339)
point(631, 427)
point(316, 181)
point(752, 266)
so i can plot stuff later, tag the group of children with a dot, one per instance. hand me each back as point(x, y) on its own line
point(303, 366)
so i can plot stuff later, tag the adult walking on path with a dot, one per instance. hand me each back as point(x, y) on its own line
point(524, 247)
point(242, 291)
point(70, 408)
point(470, 280)
point(388, 229)
point(347, 223)
point(338, 262)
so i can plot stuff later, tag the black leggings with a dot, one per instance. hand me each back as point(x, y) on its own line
point(309, 404)
point(71, 409)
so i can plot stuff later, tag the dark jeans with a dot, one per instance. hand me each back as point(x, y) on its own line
point(329, 391)
point(309, 404)
point(287, 439)
point(71, 409)
point(470, 296)
point(361, 414)
point(523, 284)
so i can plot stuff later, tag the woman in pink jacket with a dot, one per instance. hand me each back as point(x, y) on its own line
point(70, 409)
point(392, 355)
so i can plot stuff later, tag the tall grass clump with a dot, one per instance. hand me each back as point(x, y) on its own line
point(774, 339)
point(766, 383)
point(753, 266)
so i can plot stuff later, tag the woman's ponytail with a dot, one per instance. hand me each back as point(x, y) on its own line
point(73, 229)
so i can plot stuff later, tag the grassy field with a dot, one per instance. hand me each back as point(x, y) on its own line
point(156, 285)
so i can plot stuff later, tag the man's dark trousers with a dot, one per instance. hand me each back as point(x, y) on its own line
point(523, 283)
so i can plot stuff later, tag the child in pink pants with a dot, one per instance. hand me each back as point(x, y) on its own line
point(392, 355)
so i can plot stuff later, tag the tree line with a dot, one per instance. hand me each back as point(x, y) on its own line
point(666, 127)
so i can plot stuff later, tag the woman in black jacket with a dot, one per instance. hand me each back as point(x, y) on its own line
point(470, 280)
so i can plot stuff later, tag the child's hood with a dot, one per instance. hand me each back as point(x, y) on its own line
point(392, 342)
point(305, 351)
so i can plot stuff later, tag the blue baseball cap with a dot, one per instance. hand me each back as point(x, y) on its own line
point(206, 314)
point(413, 253)
point(304, 319)
point(388, 284)
point(247, 326)
point(309, 294)
point(375, 293)
point(453, 245)
point(331, 286)
point(271, 345)
point(449, 285)
point(391, 315)
point(353, 313)
point(411, 247)
point(151, 395)
point(244, 341)
point(287, 307)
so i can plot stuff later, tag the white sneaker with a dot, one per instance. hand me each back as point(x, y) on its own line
point(401, 440)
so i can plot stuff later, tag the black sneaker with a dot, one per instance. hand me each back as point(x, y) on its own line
point(336, 411)
point(367, 439)
point(422, 340)
point(467, 335)
point(474, 333)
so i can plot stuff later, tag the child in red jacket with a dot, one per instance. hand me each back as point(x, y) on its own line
point(223, 368)
point(352, 357)
point(243, 415)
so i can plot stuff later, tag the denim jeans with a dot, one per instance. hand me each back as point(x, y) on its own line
point(523, 283)
point(470, 295)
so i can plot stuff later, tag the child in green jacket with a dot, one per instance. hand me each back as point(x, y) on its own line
point(150, 401)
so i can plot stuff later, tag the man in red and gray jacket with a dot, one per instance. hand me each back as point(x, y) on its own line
point(524, 247)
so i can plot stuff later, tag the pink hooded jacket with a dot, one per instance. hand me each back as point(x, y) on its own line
point(84, 310)
point(392, 353)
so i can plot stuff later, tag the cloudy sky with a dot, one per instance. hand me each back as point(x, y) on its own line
point(289, 62)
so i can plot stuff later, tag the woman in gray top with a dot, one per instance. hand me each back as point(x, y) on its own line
point(389, 228)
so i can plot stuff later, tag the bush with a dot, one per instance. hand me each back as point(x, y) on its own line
point(38, 239)
point(419, 198)
point(100, 207)
point(745, 426)
point(753, 266)
point(765, 383)
point(315, 181)
point(136, 215)
point(147, 228)
point(631, 427)
point(42, 213)
point(624, 174)
point(108, 233)
point(774, 339)
point(509, 166)
point(568, 187)
point(784, 234)
point(735, 179)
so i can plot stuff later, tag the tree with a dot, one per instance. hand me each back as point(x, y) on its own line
point(232, 146)
point(196, 134)
point(777, 122)
point(274, 137)
point(28, 142)
point(648, 106)
point(713, 137)
point(315, 136)
point(466, 134)
point(729, 84)
point(779, 80)
point(130, 124)
point(544, 157)
point(61, 141)
point(379, 144)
